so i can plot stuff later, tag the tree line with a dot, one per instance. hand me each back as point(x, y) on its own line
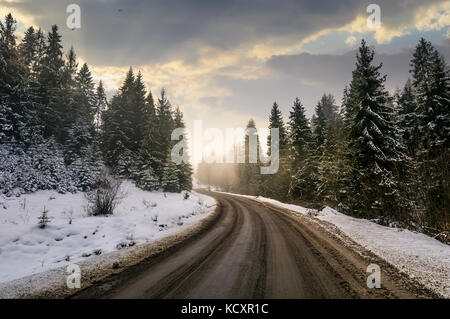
point(58, 130)
point(377, 156)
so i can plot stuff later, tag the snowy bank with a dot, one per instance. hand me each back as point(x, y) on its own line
point(73, 236)
point(419, 256)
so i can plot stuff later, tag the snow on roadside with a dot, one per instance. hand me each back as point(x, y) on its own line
point(418, 255)
point(72, 235)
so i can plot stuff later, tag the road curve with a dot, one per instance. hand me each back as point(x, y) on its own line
point(256, 250)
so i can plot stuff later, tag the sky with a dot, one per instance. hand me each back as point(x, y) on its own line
point(224, 62)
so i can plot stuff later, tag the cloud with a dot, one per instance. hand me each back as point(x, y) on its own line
point(331, 72)
point(224, 61)
point(350, 41)
point(139, 32)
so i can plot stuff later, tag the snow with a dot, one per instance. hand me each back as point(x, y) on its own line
point(72, 235)
point(419, 256)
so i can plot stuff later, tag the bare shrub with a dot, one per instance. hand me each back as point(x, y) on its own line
point(105, 197)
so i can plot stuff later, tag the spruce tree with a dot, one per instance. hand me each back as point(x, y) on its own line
point(11, 84)
point(37, 113)
point(408, 117)
point(249, 173)
point(377, 156)
point(164, 128)
point(334, 166)
point(10, 66)
point(185, 169)
point(101, 104)
point(70, 69)
point(111, 134)
point(304, 170)
point(50, 79)
point(151, 135)
point(149, 178)
point(277, 185)
point(137, 113)
point(116, 129)
point(432, 84)
point(299, 132)
point(28, 49)
point(85, 93)
point(80, 122)
point(325, 112)
point(276, 121)
point(31, 51)
point(170, 178)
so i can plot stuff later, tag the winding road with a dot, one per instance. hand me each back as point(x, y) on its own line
point(255, 250)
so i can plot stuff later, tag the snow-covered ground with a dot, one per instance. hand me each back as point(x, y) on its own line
point(72, 235)
point(418, 255)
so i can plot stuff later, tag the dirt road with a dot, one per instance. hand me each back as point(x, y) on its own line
point(255, 250)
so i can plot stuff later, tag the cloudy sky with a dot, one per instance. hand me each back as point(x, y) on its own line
point(226, 61)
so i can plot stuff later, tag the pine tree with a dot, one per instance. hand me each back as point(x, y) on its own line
point(304, 180)
point(43, 219)
point(408, 117)
point(164, 128)
point(432, 84)
point(11, 84)
point(10, 67)
point(151, 134)
point(149, 179)
point(31, 52)
point(50, 79)
point(70, 69)
point(85, 170)
point(436, 119)
point(299, 132)
point(277, 185)
point(85, 92)
point(110, 133)
point(36, 93)
point(5, 125)
point(276, 121)
point(39, 52)
point(170, 178)
point(128, 114)
point(377, 155)
point(249, 174)
point(28, 49)
point(116, 129)
point(80, 123)
point(101, 104)
point(325, 112)
point(126, 164)
point(334, 166)
point(185, 169)
point(138, 113)
point(136, 138)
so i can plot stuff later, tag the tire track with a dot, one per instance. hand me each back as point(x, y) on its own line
point(257, 250)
